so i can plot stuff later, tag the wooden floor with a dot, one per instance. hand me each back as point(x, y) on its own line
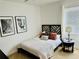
point(19, 56)
point(59, 54)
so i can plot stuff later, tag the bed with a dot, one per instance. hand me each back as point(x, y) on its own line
point(53, 28)
point(44, 49)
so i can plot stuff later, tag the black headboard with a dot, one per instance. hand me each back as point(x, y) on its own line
point(51, 28)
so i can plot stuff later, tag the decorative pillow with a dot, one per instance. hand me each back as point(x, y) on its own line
point(53, 36)
point(42, 33)
point(44, 37)
point(58, 36)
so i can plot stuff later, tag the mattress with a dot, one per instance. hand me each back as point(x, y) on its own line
point(41, 48)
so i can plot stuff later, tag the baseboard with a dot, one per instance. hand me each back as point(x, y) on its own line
point(12, 52)
point(77, 48)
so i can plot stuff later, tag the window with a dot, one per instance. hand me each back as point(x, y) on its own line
point(71, 18)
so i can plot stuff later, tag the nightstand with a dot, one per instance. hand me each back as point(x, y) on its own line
point(68, 46)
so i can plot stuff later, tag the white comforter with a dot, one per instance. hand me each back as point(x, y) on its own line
point(41, 48)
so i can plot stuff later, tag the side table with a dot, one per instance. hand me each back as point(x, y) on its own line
point(67, 45)
point(3, 56)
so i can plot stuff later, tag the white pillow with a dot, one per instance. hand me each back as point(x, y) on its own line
point(44, 37)
point(58, 36)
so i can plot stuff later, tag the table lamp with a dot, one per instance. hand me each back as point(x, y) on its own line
point(68, 29)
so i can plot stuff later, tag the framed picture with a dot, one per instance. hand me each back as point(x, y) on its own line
point(21, 24)
point(7, 25)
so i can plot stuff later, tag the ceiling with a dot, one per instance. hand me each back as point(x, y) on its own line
point(36, 2)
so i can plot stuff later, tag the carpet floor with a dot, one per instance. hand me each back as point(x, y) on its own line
point(59, 54)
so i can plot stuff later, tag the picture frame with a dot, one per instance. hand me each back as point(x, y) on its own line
point(7, 25)
point(21, 24)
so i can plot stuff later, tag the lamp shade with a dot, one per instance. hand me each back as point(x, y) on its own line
point(68, 29)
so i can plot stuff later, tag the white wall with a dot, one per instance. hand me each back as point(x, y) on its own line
point(33, 23)
point(51, 13)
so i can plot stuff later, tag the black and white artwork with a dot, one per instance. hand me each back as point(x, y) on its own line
point(7, 25)
point(21, 24)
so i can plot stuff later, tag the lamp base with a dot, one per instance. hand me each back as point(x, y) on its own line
point(68, 37)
